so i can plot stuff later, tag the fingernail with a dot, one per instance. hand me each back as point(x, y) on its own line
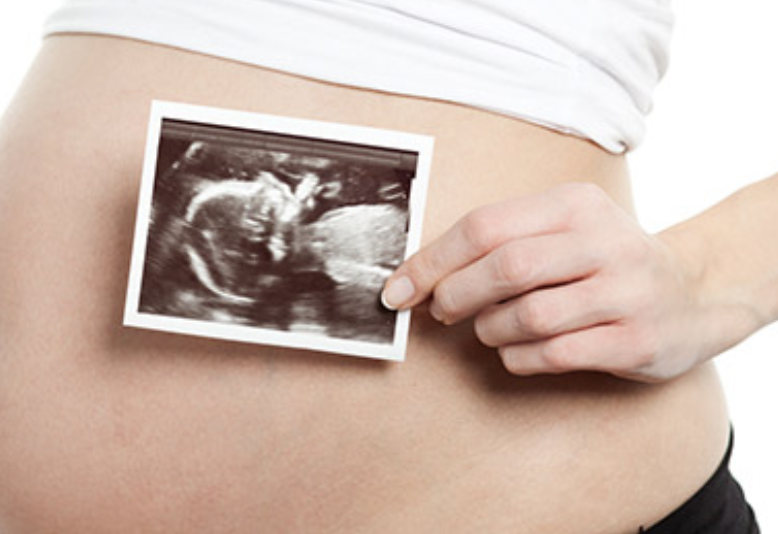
point(436, 312)
point(397, 293)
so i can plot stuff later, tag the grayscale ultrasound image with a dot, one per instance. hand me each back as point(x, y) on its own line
point(275, 231)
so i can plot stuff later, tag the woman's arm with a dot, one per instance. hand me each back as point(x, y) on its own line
point(566, 280)
point(731, 250)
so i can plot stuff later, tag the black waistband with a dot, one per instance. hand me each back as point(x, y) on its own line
point(719, 507)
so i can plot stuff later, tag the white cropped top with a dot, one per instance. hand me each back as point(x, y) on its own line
point(584, 67)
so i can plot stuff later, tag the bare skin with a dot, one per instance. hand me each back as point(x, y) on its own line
point(107, 429)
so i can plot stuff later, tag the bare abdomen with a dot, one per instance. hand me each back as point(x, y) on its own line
point(110, 429)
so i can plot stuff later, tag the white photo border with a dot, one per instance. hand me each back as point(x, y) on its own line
point(329, 131)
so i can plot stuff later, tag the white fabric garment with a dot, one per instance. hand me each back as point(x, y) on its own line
point(584, 67)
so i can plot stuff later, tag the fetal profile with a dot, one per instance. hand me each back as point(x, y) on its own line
point(272, 230)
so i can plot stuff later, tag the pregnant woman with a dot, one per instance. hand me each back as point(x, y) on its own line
point(558, 376)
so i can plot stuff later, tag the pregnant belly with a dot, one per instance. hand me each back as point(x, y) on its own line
point(106, 429)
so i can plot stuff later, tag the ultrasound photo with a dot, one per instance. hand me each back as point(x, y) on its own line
point(273, 230)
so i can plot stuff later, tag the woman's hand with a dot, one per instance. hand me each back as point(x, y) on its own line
point(561, 281)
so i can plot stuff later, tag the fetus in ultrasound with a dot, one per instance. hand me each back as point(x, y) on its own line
point(263, 238)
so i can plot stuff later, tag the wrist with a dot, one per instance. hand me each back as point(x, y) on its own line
point(722, 308)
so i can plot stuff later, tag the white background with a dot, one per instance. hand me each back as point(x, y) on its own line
point(713, 130)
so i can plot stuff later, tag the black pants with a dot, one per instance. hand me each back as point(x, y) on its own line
point(719, 507)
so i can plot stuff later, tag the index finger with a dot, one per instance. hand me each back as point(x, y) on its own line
point(471, 238)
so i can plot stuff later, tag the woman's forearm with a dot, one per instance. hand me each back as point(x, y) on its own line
point(730, 253)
